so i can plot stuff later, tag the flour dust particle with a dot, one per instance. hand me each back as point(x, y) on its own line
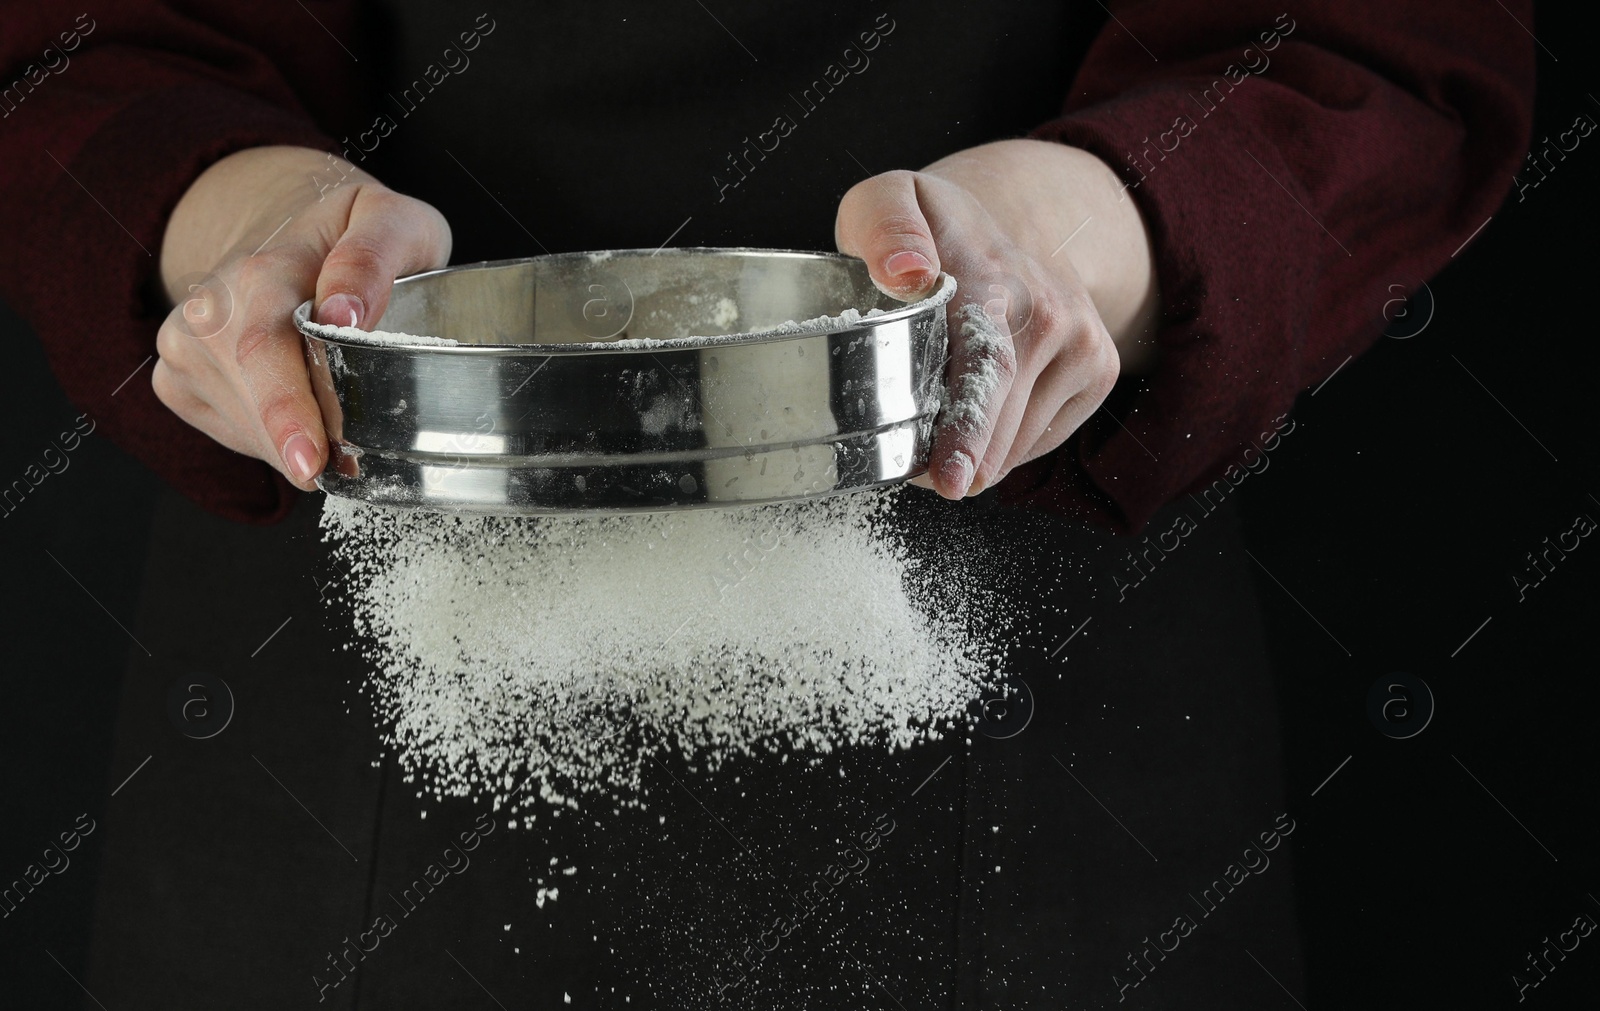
point(557, 657)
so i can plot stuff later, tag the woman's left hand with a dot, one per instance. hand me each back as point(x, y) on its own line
point(1056, 293)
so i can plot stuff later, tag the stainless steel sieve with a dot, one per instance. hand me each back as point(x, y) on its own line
point(630, 381)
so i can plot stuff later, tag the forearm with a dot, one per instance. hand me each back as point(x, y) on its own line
point(1348, 147)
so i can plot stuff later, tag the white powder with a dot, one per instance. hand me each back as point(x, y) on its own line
point(380, 337)
point(819, 324)
point(515, 657)
point(726, 313)
point(967, 398)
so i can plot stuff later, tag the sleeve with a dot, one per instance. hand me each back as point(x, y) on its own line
point(1290, 168)
point(104, 123)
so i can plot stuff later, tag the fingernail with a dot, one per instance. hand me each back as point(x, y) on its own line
point(957, 473)
point(300, 456)
point(905, 262)
point(341, 310)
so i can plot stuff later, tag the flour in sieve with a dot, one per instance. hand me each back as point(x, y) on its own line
point(381, 338)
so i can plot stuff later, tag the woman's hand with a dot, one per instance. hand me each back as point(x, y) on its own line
point(256, 234)
point(1056, 292)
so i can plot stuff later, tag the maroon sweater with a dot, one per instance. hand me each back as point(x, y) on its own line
point(1291, 168)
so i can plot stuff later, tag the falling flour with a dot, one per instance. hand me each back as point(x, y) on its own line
point(514, 657)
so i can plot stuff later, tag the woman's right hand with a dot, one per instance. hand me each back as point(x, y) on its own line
point(256, 234)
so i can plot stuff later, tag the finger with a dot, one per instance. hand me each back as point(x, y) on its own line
point(195, 411)
point(269, 357)
point(993, 465)
point(183, 372)
point(1035, 326)
point(983, 365)
point(388, 236)
point(1072, 415)
point(1062, 400)
point(881, 221)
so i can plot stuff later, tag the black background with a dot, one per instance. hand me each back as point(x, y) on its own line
point(1396, 516)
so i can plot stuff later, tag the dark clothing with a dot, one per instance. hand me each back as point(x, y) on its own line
point(1044, 870)
point(1291, 167)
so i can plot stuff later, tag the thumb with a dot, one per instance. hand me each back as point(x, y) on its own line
point(388, 236)
point(881, 221)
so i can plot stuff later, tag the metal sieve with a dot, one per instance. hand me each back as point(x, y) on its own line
point(630, 381)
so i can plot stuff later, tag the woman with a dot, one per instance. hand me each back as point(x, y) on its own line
point(1216, 217)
